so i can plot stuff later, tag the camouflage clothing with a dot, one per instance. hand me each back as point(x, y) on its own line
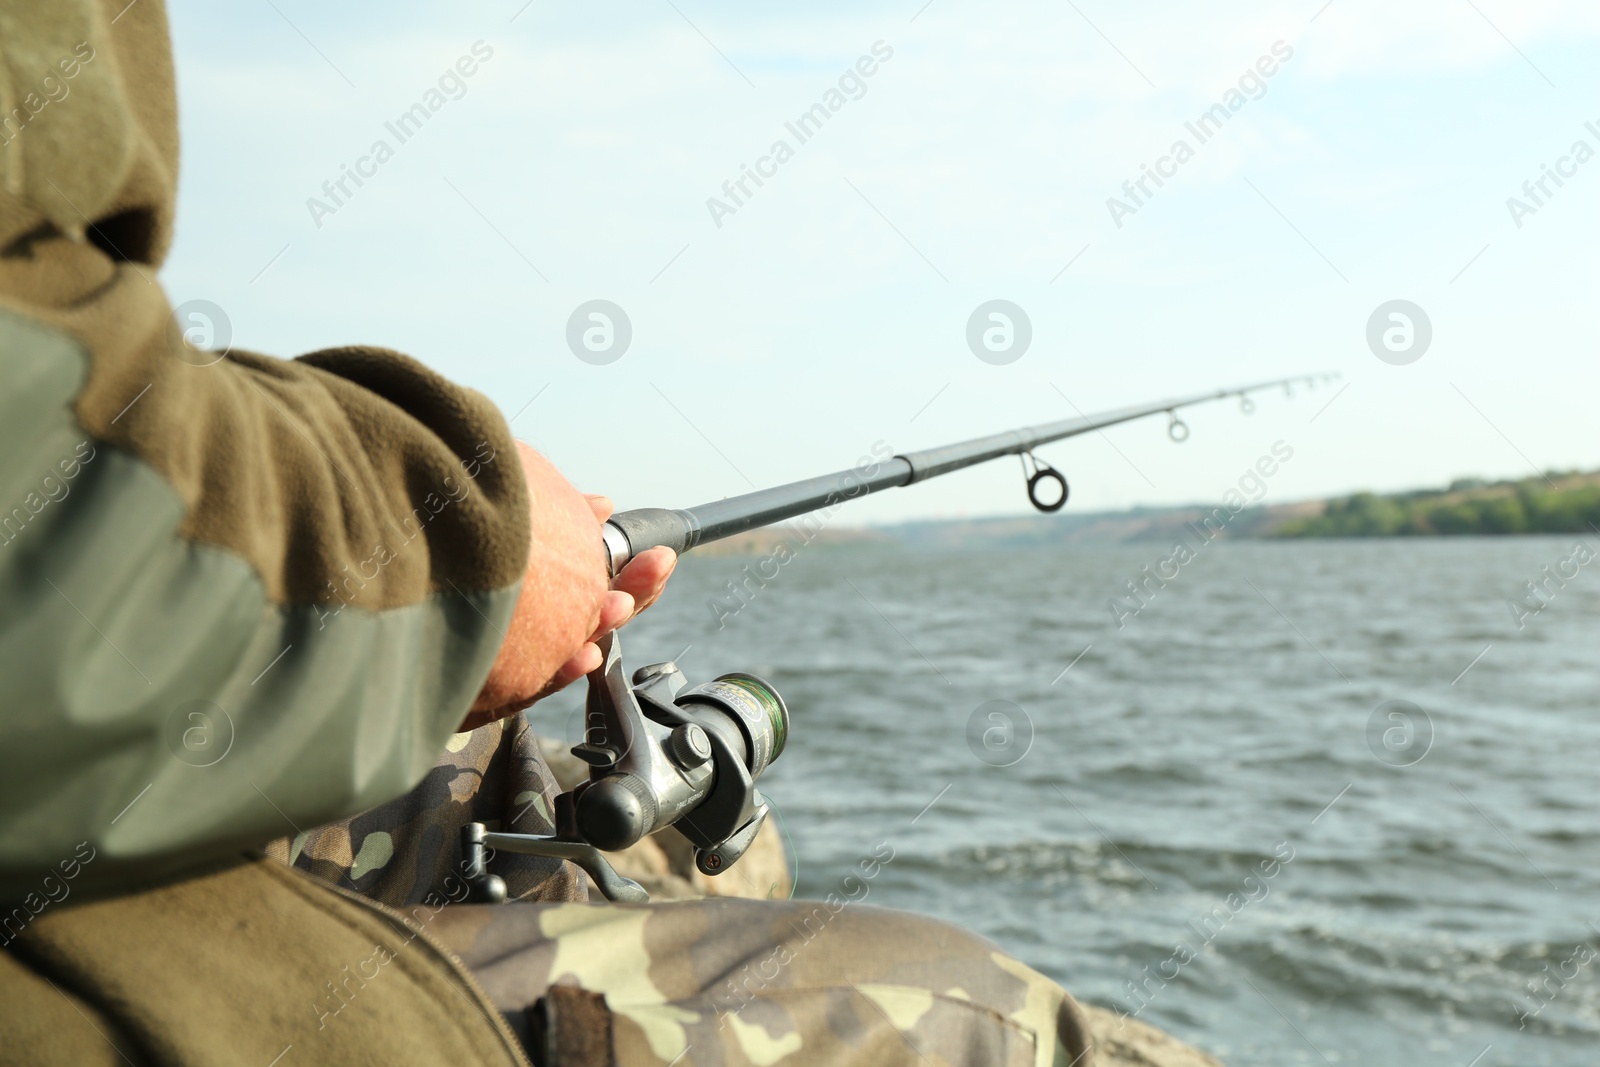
point(408, 850)
point(729, 983)
point(716, 982)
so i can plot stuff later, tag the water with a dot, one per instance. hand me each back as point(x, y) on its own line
point(1224, 727)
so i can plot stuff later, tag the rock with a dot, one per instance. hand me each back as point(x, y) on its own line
point(664, 864)
point(1131, 1043)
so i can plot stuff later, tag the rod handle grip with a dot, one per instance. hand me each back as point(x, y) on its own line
point(629, 533)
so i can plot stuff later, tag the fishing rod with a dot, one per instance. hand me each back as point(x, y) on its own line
point(631, 532)
point(663, 753)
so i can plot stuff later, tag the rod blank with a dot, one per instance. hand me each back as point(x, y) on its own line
point(632, 532)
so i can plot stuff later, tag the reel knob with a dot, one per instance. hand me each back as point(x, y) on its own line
point(689, 746)
point(490, 889)
point(616, 812)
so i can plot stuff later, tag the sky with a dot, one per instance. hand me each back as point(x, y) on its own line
point(825, 312)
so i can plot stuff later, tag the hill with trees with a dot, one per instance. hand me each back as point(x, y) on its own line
point(1557, 502)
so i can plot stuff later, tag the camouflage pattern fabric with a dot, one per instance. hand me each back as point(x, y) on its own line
point(408, 851)
point(730, 983)
point(718, 982)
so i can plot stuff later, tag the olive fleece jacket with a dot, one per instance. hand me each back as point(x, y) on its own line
point(239, 596)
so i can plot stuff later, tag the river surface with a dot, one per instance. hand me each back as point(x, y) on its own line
point(1215, 819)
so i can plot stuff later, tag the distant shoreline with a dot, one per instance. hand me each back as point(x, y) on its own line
point(1552, 503)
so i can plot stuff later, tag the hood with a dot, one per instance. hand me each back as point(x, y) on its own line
point(88, 125)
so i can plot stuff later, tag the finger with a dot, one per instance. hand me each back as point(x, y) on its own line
point(584, 661)
point(646, 576)
point(601, 506)
point(587, 660)
point(616, 609)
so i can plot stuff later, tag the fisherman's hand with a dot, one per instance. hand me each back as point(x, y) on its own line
point(567, 602)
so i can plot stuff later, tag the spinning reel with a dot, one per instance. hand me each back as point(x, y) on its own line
point(660, 753)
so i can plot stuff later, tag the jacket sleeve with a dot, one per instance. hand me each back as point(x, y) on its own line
point(239, 596)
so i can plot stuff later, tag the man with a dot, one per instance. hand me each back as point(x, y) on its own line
point(241, 598)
